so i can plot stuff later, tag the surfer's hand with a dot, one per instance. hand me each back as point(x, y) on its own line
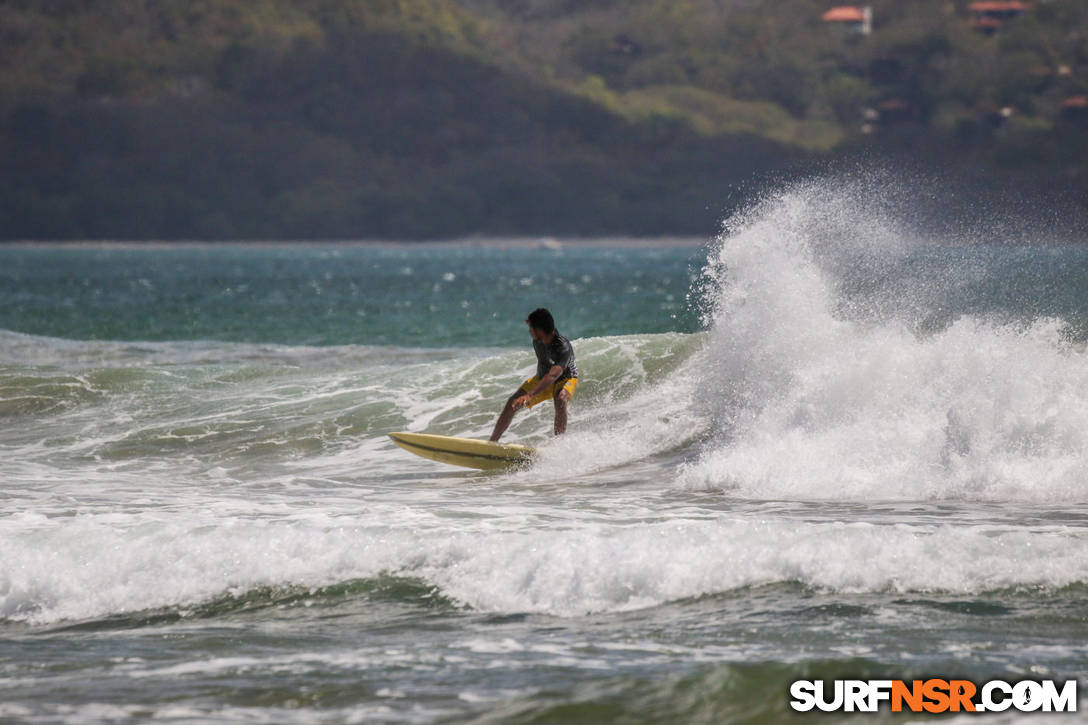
point(521, 401)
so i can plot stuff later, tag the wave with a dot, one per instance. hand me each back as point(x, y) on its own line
point(232, 402)
point(847, 358)
point(844, 357)
point(105, 565)
point(381, 589)
point(833, 368)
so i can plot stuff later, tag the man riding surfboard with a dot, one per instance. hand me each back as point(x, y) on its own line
point(556, 374)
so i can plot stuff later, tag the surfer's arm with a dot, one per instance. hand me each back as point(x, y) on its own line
point(543, 384)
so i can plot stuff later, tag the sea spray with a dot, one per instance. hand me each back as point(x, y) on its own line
point(830, 387)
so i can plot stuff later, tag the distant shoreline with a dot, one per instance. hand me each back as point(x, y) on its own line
point(466, 242)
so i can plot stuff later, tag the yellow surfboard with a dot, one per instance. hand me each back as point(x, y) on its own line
point(467, 452)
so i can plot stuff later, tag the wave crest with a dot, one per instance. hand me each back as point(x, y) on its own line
point(840, 375)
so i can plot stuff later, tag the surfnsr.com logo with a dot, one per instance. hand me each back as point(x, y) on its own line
point(934, 696)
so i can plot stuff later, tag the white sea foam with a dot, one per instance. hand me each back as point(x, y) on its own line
point(820, 395)
point(98, 565)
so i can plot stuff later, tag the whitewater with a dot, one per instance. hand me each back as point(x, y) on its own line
point(823, 444)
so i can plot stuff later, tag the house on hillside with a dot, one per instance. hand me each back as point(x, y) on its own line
point(989, 17)
point(852, 19)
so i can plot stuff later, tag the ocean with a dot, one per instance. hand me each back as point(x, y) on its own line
point(821, 445)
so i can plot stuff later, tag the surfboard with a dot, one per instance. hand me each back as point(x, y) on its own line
point(467, 452)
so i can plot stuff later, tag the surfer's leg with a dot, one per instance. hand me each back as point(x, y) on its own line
point(561, 398)
point(506, 415)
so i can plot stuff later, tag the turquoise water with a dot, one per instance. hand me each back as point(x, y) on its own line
point(818, 446)
point(410, 295)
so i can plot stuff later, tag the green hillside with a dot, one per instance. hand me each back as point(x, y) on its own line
point(434, 118)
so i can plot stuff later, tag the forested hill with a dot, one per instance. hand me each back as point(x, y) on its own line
point(311, 119)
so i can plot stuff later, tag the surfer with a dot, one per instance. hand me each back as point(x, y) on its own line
point(556, 374)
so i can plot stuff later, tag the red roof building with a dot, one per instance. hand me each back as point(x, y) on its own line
point(854, 18)
point(990, 15)
point(1007, 8)
point(844, 14)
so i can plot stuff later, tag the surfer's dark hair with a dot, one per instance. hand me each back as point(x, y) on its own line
point(541, 319)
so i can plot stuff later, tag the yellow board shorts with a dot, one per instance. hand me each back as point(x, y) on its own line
point(570, 385)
